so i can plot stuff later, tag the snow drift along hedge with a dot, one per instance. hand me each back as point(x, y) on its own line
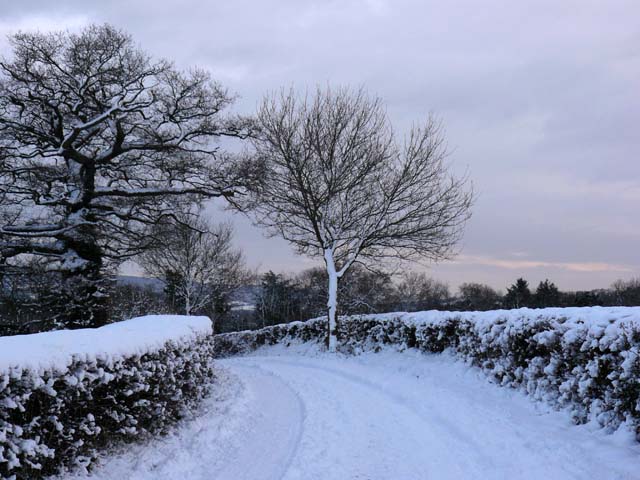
point(65, 395)
point(584, 359)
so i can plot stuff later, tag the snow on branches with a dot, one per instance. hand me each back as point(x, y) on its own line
point(98, 141)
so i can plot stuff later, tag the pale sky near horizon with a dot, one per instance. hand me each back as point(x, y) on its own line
point(540, 101)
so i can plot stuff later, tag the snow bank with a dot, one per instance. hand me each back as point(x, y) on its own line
point(65, 395)
point(583, 359)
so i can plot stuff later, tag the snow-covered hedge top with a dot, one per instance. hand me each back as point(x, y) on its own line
point(579, 315)
point(603, 324)
point(57, 350)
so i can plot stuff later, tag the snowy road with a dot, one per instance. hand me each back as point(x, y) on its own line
point(383, 416)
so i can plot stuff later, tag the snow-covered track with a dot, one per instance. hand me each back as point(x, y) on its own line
point(400, 416)
point(266, 446)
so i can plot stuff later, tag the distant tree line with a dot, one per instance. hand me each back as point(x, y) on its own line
point(283, 298)
point(242, 300)
point(192, 267)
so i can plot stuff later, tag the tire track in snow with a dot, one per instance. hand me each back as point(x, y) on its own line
point(365, 430)
point(437, 420)
point(455, 426)
point(431, 414)
point(476, 456)
point(267, 448)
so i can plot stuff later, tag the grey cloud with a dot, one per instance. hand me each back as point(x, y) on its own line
point(539, 98)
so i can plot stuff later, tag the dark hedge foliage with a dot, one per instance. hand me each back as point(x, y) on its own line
point(51, 421)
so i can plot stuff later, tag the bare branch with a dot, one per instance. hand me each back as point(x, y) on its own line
point(98, 141)
point(338, 185)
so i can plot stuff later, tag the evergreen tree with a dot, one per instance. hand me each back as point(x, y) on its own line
point(518, 295)
point(547, 295)
point(172, 280)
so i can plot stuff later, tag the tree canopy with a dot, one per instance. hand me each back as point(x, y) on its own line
point(340, 186)
point(98, 141)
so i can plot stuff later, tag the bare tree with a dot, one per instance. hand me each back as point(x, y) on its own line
point(360, 291)
point(626, 292)
point(97, 141)
point(278, 300)
point(198, 259)
point(339, 186)
point(130, 300)
point(477, 296)
point(416, 291)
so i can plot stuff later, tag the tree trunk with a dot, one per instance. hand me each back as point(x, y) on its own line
point(82, 299)
point(332, 303)
point(187, 304)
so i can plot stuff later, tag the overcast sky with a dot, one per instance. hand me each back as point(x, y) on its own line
point(540, 100)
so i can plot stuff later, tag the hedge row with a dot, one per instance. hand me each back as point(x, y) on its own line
point(57, 417)
point(584, 359)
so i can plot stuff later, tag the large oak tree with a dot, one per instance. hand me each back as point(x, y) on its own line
point(97, 142)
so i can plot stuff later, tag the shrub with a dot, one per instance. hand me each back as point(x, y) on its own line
point(66, 395)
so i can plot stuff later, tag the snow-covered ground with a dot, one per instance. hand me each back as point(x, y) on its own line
point(299, 414)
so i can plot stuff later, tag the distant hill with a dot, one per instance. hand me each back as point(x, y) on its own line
point(154, 284)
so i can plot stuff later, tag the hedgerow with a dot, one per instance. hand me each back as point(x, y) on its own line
point(60, 413)
point(586, 360)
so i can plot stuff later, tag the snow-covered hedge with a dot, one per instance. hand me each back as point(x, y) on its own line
point(238, 343)
point(65, 395)
point(584, 359)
